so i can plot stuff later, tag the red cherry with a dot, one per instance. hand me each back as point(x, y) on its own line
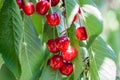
point(62, 43)
point(52, 46)
point(19, 3)
point(42, 7)
point(56, 62)
point(81, 33)
point(69, 54)
point(66, 69)
point(28, 8)
point(53, 19)
point(79, 11)
point(54, 2)
point(75, 18)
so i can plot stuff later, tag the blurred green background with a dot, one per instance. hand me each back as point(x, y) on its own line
point(110, 10)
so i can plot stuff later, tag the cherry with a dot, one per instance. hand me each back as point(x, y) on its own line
point(69, 54)
point(19, 3)
point(62, 43)
point(79, 11)
point(56, 62)
point(66, 69)
point(42, 7)
point(28, 8)
point(52, 46)
point(75, 18)
point(81, 33)
point(53, 19)
point(54, 2)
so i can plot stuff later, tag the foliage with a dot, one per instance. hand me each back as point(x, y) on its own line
point(23, 52)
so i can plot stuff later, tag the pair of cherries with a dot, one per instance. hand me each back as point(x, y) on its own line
point(61, 61)
point(42, 7)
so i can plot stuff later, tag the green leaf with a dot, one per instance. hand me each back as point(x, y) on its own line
point(78, 61)
point(71, 10)
point(104, 59)
point(93, 22)
point(31, 52)
point(1, 4)
point(1, 60)
point(11, 29)
point(84, 2)
point(6, 74)
point(93, 67)
point(37, 21)
point(50, 74)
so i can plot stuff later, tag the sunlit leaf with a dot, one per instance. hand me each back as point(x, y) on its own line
point(105, 60)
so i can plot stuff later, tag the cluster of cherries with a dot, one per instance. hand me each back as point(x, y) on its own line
point(63, 55)
point(63, 52)
point(42, 8)
point(60, 47)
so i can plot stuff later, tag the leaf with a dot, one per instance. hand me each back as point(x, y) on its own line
point(37, 21)
point(11, 29)
point(104, 59)
point(1, 61)
point(6, 74)
point(78, 61)
point(50, 74)
point(71, 10)
point(93, 67)
point(88, 2)
point(31, 52)
point(93, 22)
point(1, 4)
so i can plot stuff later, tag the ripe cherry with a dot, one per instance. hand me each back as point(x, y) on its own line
point(54, 2)
point(66, 69)
point(56, 62)
point(19, 3)
point(28, 8)
point(69, 54)
point(81, 33)
point(42, 7)
point(52, 46)
point(62, 43)
point(75, 18)
point(53, 19)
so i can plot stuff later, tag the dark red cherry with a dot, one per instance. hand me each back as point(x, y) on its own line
point(42, 7)
point(62, 43)
point(66, 69)
point(54, 2)
point(81, 33)
point(28, 8)
point(79, 11)
point(69, 54)
point(53, 19)
point(51, 45)
point(19, 3)
point(56, 62)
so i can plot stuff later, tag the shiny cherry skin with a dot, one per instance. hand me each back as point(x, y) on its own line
point(53, 19)
point(66, 69)
point(69, 54)
point(56, 62)
point(42, 7)
point(52, 46)
point(28, 8)
point(81, 33)
point(62, 43)
point(54, 2)
point(19, 3)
